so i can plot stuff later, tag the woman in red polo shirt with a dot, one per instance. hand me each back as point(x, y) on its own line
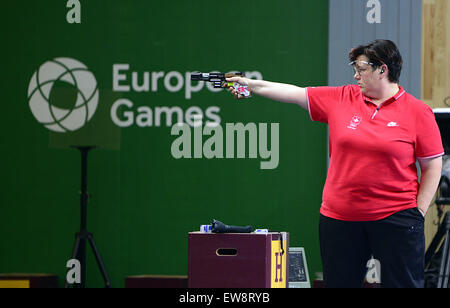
point(372, 202)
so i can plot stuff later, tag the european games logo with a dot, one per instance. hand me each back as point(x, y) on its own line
point(74, 73)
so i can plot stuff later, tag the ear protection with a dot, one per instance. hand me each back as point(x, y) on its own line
point(382, 71)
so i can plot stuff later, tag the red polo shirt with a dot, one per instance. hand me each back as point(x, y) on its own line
point(373, 151)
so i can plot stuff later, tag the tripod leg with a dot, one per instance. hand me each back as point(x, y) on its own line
point(437, 239)
point(446, 261)
point(99, 261)
point(76, 247)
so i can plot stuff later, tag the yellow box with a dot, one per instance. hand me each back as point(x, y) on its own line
point(14, 284)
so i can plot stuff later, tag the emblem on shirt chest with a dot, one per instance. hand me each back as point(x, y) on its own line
point(392, 124)
point(355, 121)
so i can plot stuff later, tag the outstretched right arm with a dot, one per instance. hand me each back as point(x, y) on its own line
point(277, 91)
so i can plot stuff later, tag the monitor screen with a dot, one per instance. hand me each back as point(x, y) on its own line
point(443, 120)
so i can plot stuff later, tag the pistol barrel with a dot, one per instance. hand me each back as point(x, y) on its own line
point(213, 76)
point(217, 79)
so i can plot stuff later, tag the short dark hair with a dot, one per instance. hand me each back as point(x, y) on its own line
point(381, 52)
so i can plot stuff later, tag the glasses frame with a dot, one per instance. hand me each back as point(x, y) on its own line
point(355, 69)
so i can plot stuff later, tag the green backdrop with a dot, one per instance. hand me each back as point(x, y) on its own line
point(144, 202)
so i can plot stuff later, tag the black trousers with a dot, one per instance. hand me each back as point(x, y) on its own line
point(397, 242)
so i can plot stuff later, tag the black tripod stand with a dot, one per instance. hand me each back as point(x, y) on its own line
point(79, 250)
point(443, 232)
